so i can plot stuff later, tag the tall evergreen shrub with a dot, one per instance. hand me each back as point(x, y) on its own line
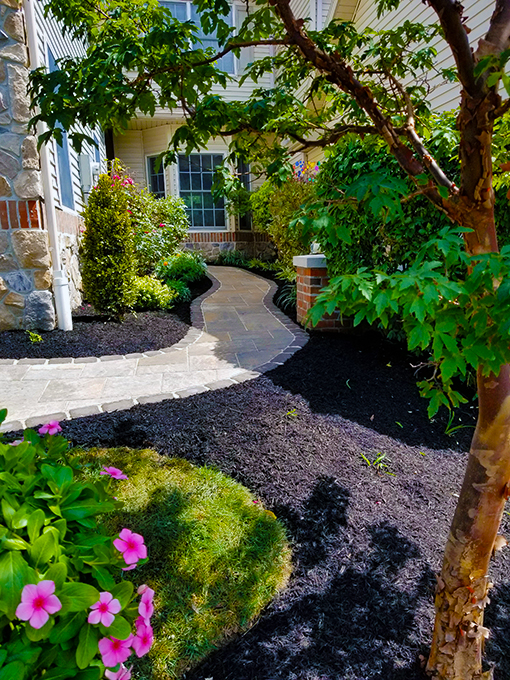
point(107, 250)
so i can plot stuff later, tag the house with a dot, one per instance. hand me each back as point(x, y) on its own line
point(41, 193)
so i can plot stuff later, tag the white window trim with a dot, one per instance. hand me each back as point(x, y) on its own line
point(233, 15)
point(165, 182)
point(203, 230)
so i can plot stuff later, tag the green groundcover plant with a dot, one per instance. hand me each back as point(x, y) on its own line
point(151, 294)
point(65, 609)
point(187, 267)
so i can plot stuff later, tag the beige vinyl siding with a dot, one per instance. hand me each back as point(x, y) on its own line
point(51, 36)
point(444, 96)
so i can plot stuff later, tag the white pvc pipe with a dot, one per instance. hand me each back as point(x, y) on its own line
point(60, 281)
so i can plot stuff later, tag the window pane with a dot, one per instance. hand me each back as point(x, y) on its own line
point(195, 180)
point(156, 178)
point(178, 10)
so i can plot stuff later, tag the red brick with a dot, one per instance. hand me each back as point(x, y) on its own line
point(4, 217)
point(13, 214)
point(34, 214)
point(23, 215)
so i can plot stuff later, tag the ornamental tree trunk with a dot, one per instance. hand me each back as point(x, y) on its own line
point(463, 585)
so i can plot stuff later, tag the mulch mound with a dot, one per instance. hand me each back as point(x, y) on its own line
point(367, 544)
point(94, 335)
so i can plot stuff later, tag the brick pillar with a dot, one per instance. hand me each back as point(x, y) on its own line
point(312, 276)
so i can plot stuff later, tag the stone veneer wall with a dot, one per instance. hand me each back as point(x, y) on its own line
point(26, 300)
point(312, 276)
point(211, 244)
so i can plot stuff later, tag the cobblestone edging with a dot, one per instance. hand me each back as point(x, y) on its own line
point(154, 362)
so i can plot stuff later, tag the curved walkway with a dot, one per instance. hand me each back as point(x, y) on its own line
point(237, 334)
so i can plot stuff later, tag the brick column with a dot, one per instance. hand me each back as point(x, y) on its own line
point(312, 276)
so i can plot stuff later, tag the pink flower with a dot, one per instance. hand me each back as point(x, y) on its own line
point(161, 225)
point(129, 211)
point(17, 442)
point(104, 610)
point(122, 674)
point(113, 472)
point(146, 606)
point(133, 566)
point(37, 603)
point(143, 639)
point(131, 546)
point(51, 428)
point(114, 651)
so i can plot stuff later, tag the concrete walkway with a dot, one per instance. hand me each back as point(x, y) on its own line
point(237, 334)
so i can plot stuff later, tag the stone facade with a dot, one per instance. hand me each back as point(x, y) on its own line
point(312, 276)
point(250, 243)
point(26, 300)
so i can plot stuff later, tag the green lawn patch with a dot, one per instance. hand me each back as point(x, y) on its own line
point(216, 556)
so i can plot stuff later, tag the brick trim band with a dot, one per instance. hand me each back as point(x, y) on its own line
point(20, 215)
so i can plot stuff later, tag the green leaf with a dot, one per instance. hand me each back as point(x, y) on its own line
point(67, 628)
point(60, 674)
point(43, 549)
point(87, 646)
point(57, 573)
point(119, 629)
point(35, 524)
point(14, 575)
point(13, 671)
point(443, 192)
point(103, 577)
point(38, 634)
point(92, 673)
point(418, 308)
point(3, 415)
point(123, 592)
point(77, 597)
point(83, 509)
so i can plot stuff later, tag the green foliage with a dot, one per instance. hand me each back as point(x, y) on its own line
point(362, 220)
point(34, 337)
point(232, 258)
point(49, 531)
point(217, 555)
point(160, 226)
point(274, 208)
point(447, 304)
point(180, 288)
point(107, 251)
point(152, 294)
point(377, 463)
point(186, 266)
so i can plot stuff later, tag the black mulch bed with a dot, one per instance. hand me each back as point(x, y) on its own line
point(95, 336)
point(366, 544)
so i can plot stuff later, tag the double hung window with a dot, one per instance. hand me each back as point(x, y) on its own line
point(186, 11)
point(156, 176)
point(196, 174)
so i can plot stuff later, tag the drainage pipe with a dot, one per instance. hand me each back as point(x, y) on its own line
point(60, 281)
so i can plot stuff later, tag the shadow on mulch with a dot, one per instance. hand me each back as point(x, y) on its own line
point(372, 382)
point(366, 544)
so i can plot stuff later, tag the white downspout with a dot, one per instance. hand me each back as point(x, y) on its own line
point(60, 281)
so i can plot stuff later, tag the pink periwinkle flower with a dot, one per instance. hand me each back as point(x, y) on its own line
point(17, 442)
point(146, 606)
point(113, 472)
point(161, 225)
point(114, 651)
point(122, 674)
point(131, 546)
point(142, 641)
point(37, 603)
point(51, 428)
point(133, 566)
point(104, 610)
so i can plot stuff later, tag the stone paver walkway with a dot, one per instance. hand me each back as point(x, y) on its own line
point(237, 334)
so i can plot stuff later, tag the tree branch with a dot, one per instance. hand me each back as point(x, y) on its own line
point(498, 36)
point(449, 13)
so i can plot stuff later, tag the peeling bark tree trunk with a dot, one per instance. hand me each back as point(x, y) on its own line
point(463, 586)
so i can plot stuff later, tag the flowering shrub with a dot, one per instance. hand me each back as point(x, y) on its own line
point(160, 225)
point(185, 266)
point(65, 611)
